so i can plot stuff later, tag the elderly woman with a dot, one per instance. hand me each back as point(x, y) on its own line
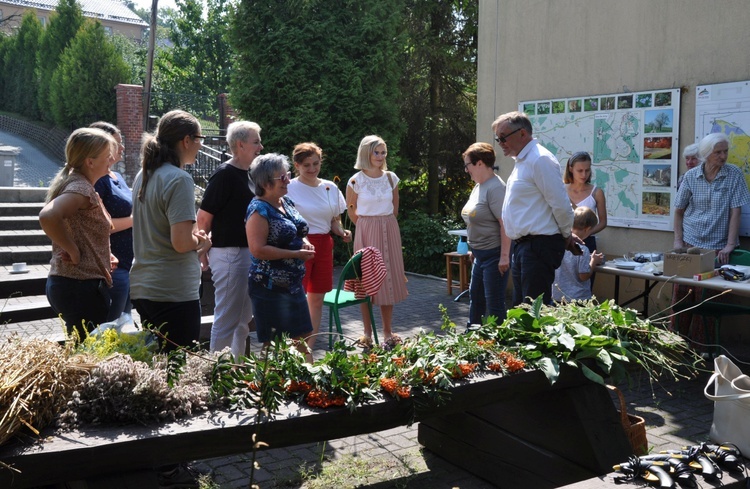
point(707, 214)
point(76, 221)
point(692, 159)
point(166, 273)
point(277, 238)
point(222, 214)
point(489, 245)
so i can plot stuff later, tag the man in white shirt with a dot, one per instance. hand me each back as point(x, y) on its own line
point(537, 213)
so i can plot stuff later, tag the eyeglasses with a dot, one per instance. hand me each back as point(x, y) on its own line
point(504, 139)
point(285, 178)
point(466, 165)
point(380, 153)
point(198, 136)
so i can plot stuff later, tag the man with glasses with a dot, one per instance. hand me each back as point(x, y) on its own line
point(537, 213)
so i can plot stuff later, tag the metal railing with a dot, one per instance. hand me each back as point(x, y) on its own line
point(212, 154)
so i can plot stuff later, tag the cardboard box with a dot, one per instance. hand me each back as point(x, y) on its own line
point(688, 265)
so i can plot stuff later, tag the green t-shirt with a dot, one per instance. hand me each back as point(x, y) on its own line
point(159, 272)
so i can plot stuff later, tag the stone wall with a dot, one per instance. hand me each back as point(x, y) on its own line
point(50, 140)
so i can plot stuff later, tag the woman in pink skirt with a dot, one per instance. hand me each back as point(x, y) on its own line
point(372, 204)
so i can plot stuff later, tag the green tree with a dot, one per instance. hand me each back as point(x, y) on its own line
point(323, 71)
point(439, 103)
point(83, 86)
point(133, 53)
point(63, 26)
point(24, 84)
point(200, 61)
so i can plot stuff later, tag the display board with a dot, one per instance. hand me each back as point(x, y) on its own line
point(725, 107)
point(633, 139)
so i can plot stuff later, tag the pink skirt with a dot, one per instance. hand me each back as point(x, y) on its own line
point(383, 233)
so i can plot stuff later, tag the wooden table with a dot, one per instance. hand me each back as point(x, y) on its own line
point(651, 280)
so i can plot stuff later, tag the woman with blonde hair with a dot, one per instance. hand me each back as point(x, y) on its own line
point(76, 221)
point(372, 204)
point(166, 273)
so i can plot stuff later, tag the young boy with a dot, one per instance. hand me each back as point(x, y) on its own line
point(572, 279)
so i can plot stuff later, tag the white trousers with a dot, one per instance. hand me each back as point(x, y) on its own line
point(233, 309)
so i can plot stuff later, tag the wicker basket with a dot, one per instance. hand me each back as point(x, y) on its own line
point(634, 426)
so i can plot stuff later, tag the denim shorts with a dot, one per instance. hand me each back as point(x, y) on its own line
point(278, 311)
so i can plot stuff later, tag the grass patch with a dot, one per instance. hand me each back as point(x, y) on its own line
point(350, 472)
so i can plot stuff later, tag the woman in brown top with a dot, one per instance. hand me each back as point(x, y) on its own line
point(76, 221)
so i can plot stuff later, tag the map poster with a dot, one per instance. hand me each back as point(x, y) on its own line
point(725, 107)
point(633, 139)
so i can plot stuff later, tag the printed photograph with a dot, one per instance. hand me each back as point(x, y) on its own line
point(663, 99)
point(530, 109)
point(658, 148)
point(574, 105)
point(558, 107)
point(657, 175)
point(656, 203)
point(542, 108)
point(625, 102)
point(590, 105)
point(643, 100)
point(658, 121)
point(608, 103)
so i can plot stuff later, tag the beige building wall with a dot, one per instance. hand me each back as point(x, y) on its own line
point(537, 49)
point(129, 30)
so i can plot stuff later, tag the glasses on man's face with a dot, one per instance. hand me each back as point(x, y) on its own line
point(504, 139)
point(285, 178)
point(466, 166)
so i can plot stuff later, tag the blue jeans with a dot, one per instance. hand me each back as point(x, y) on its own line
point(535, 259)
point(120, 293)
point(83, 304)
point(278, 310)
point(487, 287)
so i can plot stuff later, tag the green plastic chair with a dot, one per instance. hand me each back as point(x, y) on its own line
point(339, 298)
point(718, 310)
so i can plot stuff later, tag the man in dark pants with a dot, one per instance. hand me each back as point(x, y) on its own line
point(537, 213)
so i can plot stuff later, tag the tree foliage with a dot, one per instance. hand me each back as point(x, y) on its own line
point(439, 104)
point(323, 71)
point(83, 85)
point(20, 63)
point(63, 26)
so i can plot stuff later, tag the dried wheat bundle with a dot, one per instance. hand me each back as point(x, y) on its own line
point(36, 378)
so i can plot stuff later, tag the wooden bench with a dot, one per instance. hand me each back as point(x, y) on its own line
point(111, 457)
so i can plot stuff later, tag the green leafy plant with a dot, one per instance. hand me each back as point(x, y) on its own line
point(603, 340)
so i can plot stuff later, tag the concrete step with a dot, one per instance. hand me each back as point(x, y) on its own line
point(32, 255)
point(9, 223)
point(22, 194)
point(20, 208)
point(30, 237)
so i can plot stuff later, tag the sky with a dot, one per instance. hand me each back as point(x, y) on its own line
point(162, 3)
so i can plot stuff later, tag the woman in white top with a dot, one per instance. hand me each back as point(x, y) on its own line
point(321, 203)
point(372, 204)
point(583, 193)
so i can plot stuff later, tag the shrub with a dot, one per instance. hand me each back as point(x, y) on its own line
point(425, 238)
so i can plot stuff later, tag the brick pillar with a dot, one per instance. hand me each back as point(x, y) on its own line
point(130, 122)
point(227, 114)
